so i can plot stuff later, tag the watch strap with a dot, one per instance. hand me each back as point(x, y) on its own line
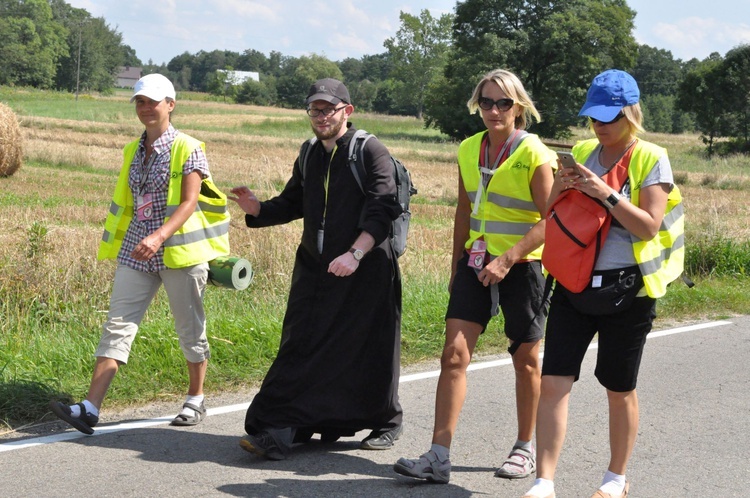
point(612, 200)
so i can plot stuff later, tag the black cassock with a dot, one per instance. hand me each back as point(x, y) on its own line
point(337, 368)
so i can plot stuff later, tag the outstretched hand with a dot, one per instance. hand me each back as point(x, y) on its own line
point(245, 199)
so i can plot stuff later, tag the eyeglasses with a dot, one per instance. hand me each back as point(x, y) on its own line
point(617, 118)
point(314, 113)
point(502, 104)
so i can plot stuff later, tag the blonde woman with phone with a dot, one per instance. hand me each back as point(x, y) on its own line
point(642, 253)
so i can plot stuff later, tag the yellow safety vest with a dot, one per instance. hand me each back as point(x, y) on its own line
point(204, 235)
point(661, 259)
point(506, 209)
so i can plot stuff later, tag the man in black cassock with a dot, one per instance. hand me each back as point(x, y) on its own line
point(337, 369)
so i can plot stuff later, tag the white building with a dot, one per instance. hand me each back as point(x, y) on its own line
point(127, 76)
point(239, 77)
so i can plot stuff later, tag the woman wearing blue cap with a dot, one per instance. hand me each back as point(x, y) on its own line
point(642, 253)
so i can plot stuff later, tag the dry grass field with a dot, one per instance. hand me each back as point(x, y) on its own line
point(72, 200)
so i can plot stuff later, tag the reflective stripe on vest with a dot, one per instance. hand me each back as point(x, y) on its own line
point(120, 210)
point(661, 259)
point(507, 212)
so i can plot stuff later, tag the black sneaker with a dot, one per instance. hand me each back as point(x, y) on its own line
point(382, 439)
point(262, 444)
point(84, 423)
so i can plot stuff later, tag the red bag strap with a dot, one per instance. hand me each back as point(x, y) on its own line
point(618, 174)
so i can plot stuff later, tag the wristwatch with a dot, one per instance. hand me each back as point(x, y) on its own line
point(612, 200)
point(358, 253)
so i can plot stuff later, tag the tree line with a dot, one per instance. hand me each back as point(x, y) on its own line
point(428, 69)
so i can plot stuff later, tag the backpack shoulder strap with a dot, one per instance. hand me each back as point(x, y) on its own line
point(304, 155)
point(356, 157)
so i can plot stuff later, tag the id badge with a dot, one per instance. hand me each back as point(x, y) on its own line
point(477, 253)
point(144, 207)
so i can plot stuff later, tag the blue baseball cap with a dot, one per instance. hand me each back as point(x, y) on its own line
point(608, 94)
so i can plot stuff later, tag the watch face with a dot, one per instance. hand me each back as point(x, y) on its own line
point(358, 254)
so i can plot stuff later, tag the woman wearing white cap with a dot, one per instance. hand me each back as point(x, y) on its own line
point(161, 230)
point(643, 252)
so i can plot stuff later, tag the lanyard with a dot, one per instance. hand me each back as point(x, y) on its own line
point(488, 172)
point(325, 184)
point(145, 168)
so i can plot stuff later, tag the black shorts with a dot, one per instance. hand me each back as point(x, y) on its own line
point(520, 296)
point(622, 337)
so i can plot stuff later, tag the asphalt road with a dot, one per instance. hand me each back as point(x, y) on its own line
point(693, 439)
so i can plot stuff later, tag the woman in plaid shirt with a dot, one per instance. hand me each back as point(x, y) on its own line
point(141, 204)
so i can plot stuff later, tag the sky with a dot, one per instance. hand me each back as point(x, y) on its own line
point(159, 30)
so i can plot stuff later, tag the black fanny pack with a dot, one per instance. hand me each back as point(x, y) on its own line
point(614, 291)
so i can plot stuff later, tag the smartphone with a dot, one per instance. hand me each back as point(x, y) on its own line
point(568, 161)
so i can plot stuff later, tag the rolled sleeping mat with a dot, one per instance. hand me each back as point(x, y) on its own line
point(230, 272)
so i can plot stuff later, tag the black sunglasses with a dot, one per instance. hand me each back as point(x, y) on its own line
point(617, 118)
point(502, 104)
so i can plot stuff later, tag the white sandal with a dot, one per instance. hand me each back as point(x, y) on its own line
point(519, 464)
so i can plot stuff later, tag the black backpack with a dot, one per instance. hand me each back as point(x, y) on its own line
point(404, 186)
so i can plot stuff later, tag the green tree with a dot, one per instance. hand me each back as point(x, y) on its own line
point(96, 54)
point(701, 92)
point(31, 43)
point(658, 112)
point(656, 71)
point(363, 93)
point(658, 75)
point(736, 91)
point(352, 69)
point(96, 51)
point(275, 63)
point(261, 92)
point(128, 56)
point(252, 60)
point(377, 67)
point(555, 48)
point(298, 74)
point(219, 84)
point(418, 53)
point(205, 64)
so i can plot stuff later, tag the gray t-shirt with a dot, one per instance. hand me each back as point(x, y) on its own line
point(618, 250)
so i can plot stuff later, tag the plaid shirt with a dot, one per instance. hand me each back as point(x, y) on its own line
point(153, 178)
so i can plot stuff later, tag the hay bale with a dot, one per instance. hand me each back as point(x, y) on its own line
point(11, 150)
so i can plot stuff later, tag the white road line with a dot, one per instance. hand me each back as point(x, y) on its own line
point(140, 424)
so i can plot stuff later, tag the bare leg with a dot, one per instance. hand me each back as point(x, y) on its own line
point(623, 428)
point(552, 423)
point(197, 374)
point(105, 370)
point(460, 339)
point(528, 386)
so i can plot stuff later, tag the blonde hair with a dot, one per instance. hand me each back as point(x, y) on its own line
point(634, 116)
point(513, 88)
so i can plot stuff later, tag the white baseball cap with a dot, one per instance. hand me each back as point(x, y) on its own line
point(154, 86)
